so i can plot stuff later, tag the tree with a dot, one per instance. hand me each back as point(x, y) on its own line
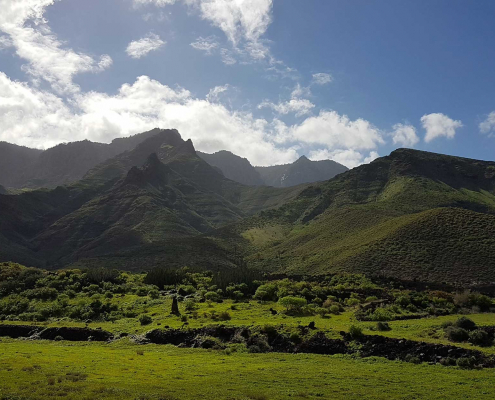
point(292, 303)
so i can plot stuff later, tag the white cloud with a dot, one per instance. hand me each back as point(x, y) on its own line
point(334, 131)
point(437, 125)
point(227, 57)
point(488, 125)
point(158, 3)
point(371, 157)
point(213, 95)
point(348, 157)
point(322, 78)
point(297, 106)
point(5, 42)
point(32, 117)
point(37, 118)
point(140, 48)
point(208, 44)
point(34, 42)
point(404, 135)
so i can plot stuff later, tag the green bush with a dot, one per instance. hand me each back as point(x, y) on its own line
point(383, 326)
point(381, 314)
point(292, 303)
point(190, 305)
point(480, 337)
point(456, 334)
point(145, 319)
point(355, 331)
point(295, 338)
point(212, 296)
point(335, 309)
point(154, 294)
point(466, 362)
point(224, 316)
point(465, 323)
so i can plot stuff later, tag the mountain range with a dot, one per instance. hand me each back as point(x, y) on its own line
point(301, 171)
point(410, 215)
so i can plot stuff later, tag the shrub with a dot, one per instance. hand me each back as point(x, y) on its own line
point(403, 301)
point(352, 302)
point(355, 331)
point(335, 309)
point(154, 294)
point(212, 296)
point(480, 337)
point(456, 334)
point(292, 303)
point(190, 305)
point(295, 337)
point(466, 362)
point(371, 298)
point(446, 324)
point(145, 319)
point(465, 323)
point(321, 311)
point(224, 316)
point(142, 291)
point(383, 326)
point(412, 359)
point(448, 361)
point(381, 314)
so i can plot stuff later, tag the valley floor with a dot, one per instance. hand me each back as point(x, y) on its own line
point(122, 370)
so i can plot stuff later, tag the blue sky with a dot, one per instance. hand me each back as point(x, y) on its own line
point(268, 80)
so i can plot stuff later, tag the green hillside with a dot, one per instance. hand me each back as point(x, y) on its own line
point(411, 215)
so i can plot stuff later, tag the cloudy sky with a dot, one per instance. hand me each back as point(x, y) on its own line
point(349, 80)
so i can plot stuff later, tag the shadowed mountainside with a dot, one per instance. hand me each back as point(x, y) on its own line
point(301, 171)
point(22, 167)
point(140, 203)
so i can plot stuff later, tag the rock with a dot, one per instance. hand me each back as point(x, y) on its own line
point(175, 306)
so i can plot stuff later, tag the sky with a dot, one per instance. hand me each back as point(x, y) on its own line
point(269, 80)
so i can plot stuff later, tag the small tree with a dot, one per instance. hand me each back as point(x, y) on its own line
point(292, 303)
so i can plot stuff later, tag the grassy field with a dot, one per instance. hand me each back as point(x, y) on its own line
point(253, 313)
point(121, 370)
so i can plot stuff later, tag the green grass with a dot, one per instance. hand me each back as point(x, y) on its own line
point(256, 314)
point(47, 370)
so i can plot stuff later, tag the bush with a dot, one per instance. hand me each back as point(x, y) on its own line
point(383, 326)
point(403, 301)
point(212, 296)
point(448, 361)
point(335, 309)
point(190, 305)
point(465, 323)
point(466, 362)
point(154, 294)
point(355, 331)
point(295, 337)
point(321, 311)
point(224, 316)
point(480, 337)
point(145, 319)
point(412, 359)
point(456, 334)
point(292, 303)
point(351, 302)
point(381, 314)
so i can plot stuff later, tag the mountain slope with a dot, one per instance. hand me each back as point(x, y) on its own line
point(22, 167)
point(233, 167)
point(411, 215)
point(152, 202)
point(301, 171)
point(3, 190)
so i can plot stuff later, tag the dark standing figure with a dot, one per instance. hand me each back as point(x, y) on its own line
point(175, 306)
